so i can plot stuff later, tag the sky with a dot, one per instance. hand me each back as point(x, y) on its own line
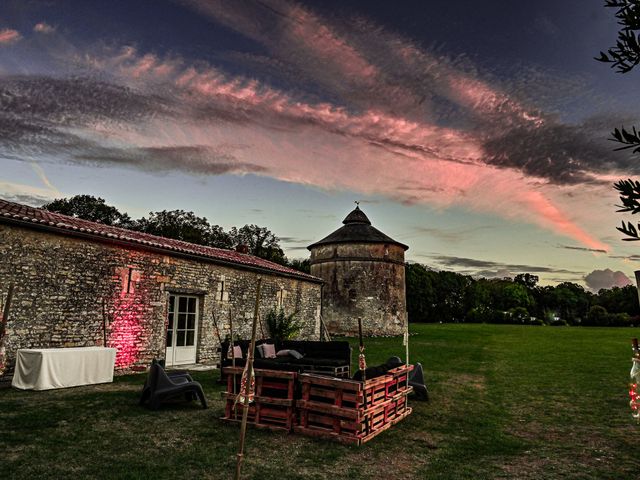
point(474, 132)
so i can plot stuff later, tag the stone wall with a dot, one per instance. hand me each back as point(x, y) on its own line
point(364, 281)
point(67, 288)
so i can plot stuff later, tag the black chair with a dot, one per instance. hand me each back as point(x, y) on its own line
point(416, 380)
point(178, 376)
point(160, 387)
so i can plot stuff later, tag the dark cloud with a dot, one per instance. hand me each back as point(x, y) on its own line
point(27, 199)
point(607, 278)
point(475, 266)
point(584, 249)
point(562, 154)
point(295, 240)
point(195, 159)
point(633, 258)
point(501, 273)
point(74, 101)
point(446, 235)
point(38, 114)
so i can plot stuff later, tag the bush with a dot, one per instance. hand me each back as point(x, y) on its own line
point(619, 320)
point(597, 317)
point(478, 315)
point(282, 327)
point(536, 322)
point(559, 322)
point(519, 315)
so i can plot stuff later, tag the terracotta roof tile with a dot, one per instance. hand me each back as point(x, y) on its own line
point(24, 213)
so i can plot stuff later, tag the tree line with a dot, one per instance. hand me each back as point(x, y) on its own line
point(441, 296)
point(179, 225)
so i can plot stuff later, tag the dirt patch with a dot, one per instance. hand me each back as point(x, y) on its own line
point(405, 463)
point(466, 380)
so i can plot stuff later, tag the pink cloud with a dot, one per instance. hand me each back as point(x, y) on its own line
point(43, 27)
point(607, 278)
point(379, 138)
point(321, 144)
point(9, 36)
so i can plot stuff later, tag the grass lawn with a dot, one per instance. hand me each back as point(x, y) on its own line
point(506, 402)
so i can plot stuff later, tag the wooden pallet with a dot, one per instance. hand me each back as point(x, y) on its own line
point(274, 402)
point(349, 411)
point(398, 383)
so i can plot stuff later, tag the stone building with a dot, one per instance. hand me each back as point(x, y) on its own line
point(363, 271)
point(79, 283)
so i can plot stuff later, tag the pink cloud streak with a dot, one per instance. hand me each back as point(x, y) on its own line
point(330, 147)
point(9, 36)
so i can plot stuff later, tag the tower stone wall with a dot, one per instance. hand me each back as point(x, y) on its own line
point(364, 277)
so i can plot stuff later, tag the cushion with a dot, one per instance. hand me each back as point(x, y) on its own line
point(295, 354)
point(289, 353)
point(268, 350)
point(237, 351)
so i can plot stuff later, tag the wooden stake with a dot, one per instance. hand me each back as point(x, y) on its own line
point(261, 326)
point(233, 353)
point(104, 324)
point(364, 373)
point(323, 327)
point(406, 347)
point(247, 388)
point(5, 312)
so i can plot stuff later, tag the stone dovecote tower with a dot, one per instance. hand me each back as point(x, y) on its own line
point(363, 271)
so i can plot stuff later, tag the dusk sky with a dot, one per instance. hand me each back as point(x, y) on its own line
point(473, 131)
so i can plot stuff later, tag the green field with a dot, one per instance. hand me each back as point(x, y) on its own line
point(506, 402)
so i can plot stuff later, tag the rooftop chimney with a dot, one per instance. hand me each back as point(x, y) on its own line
point(242, 248)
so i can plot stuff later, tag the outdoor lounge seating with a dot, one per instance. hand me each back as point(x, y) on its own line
point(160, 387)
point(328, 358)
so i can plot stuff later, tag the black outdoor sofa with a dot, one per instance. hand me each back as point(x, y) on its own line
point(330, 358)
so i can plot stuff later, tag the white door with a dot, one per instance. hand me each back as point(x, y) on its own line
point(182, 332)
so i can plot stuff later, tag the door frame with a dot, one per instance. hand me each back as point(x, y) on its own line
point(170, 359)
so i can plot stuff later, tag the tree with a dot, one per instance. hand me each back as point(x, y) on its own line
point(421, 297)
point(261, 242)
point(527, 280)
point(626, 54)
point(184, 226)
point(624, 57)
point(619, 300)
point(571, 300)
point(597, 317)
point(515, 295)
point(302, 265)
point(88, 207)
point(629, 196)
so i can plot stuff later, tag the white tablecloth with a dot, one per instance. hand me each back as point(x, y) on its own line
point(46, 368)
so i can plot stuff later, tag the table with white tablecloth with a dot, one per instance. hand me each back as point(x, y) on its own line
point(47, 368)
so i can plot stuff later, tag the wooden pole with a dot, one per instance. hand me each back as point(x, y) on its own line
point(215, 327)
point(247, 388)
point(5, 312)
point(363, 370)
point(406, 344)
point(104, 324)
point(233, 353)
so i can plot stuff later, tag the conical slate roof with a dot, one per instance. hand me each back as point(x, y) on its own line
point(357, 229)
